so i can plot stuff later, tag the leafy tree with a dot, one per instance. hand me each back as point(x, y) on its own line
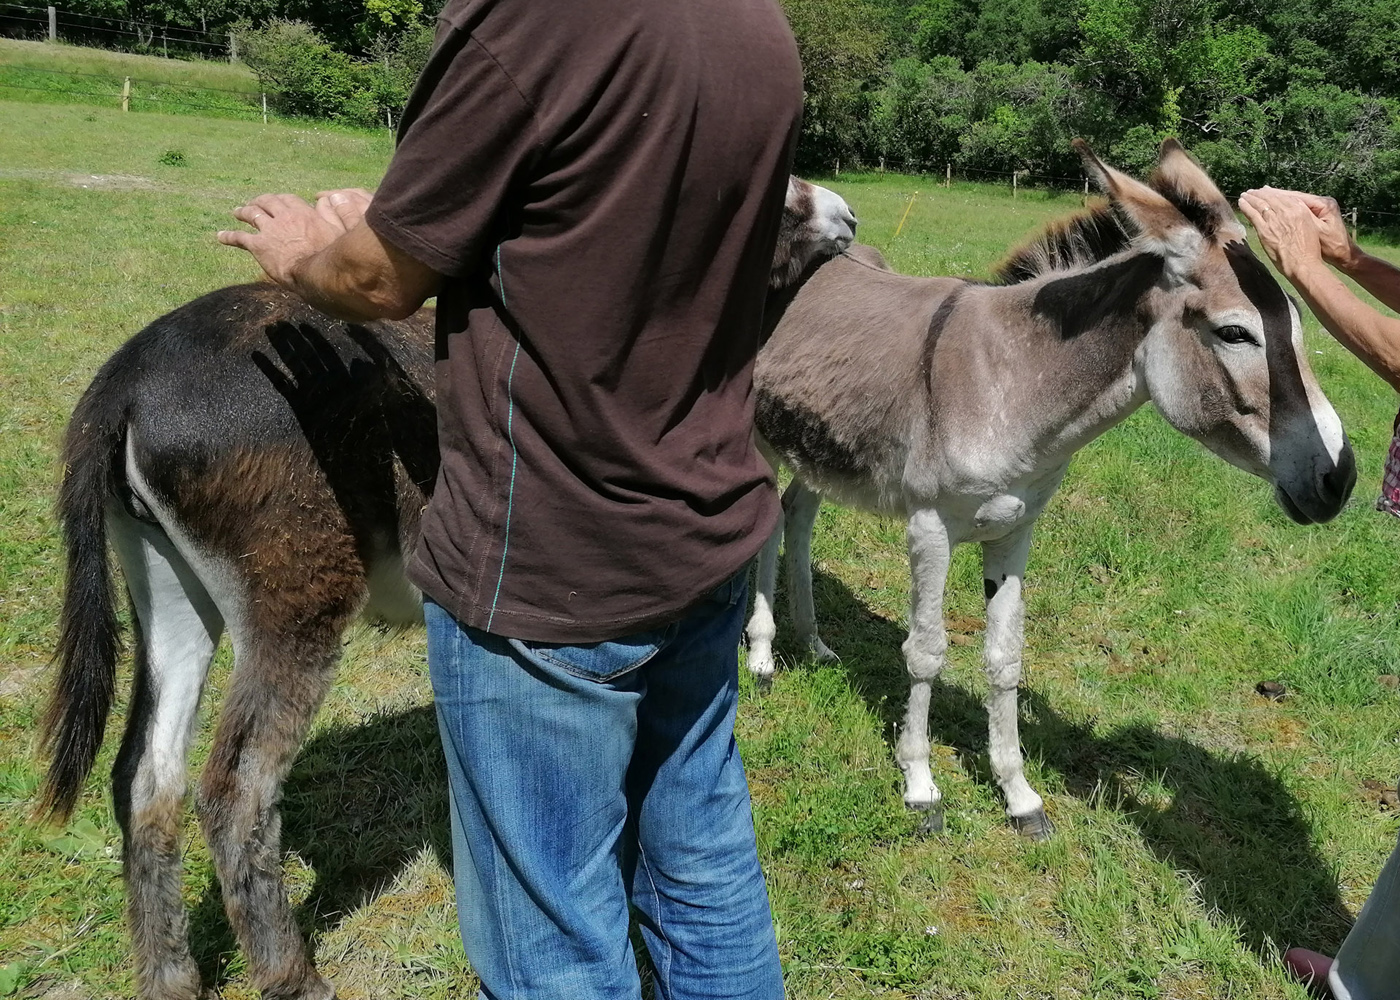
point(842, 43)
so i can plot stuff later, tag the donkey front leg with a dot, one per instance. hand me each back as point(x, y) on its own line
point(925, 653)
point(1003, 568)
point(177, 628)
point(762, 628)
point(800, 507)
point(277, 686)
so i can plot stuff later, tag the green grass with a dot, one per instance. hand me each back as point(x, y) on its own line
point(1201, 827)
point(69, 74)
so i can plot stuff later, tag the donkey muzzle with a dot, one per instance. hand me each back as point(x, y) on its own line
point(1319, 497)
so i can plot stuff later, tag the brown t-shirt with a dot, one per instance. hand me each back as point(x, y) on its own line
point(601, 182)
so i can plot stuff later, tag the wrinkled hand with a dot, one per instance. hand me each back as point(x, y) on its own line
point(288, 230)
point(1333, 236)
point(1289, 229)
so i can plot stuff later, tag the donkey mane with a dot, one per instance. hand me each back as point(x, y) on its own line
point(1080, 240)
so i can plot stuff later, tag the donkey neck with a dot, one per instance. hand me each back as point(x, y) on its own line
point(1086, 326)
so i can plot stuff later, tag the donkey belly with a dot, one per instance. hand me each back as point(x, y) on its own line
point(392, 599)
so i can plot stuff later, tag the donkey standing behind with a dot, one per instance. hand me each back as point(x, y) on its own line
point(260, 467)
point(959, 406)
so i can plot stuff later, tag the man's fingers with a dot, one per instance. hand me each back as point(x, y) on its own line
point(236, 238)
point(348, 204)
point(1314, 200)
point(355, 194)
point(278, 204)
point(329, 214)
point(251, 214)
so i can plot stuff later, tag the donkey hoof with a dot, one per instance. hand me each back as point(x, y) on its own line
point(933, 817)
point(1034, 825)
point(822, 653)
point(763, 683)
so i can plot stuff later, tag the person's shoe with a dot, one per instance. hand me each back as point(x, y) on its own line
point(1311, 968)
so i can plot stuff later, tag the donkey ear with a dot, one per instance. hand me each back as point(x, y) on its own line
point(1157, 219)
point(1182, 181)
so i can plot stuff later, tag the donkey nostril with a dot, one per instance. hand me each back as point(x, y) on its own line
point(1338, 481)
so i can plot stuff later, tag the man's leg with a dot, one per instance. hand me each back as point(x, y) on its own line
point(1368, 964)
point(696, 881)
point(537, 753)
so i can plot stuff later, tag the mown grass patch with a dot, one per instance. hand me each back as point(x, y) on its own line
point(1200, 826)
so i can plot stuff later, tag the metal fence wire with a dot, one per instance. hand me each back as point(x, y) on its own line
point(57, 24)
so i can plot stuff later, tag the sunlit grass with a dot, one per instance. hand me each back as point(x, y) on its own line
point(1201, 827)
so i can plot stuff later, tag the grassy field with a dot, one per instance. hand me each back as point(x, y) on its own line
point(70, 74)
point(1202, 828)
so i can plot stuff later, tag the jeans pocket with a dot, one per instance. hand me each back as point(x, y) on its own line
point(596, 661)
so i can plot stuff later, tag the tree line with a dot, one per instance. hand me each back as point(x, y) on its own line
point(1303, 93)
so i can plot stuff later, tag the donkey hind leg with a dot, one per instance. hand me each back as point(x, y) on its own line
point(177, 629)
point(800, 507)
point(279, 680)
point(1003, 568)
point(925, 653)
point(761, 627)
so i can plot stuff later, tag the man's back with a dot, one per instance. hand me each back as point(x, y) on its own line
point(606, 254)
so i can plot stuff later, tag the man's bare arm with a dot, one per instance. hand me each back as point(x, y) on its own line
point(330, 257)
point(1372, 337)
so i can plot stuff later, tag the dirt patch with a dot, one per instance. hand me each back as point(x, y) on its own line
point(14, 683)
point(93, 182)
point(111, 182)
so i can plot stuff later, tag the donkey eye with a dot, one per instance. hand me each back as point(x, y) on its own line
point(1235, 335)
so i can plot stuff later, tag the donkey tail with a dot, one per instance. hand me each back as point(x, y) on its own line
point(89, 634)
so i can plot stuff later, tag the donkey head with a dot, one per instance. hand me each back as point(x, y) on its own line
point(817, 223)
point(1223, 359)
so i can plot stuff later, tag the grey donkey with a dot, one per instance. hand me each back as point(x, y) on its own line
point(958, 405)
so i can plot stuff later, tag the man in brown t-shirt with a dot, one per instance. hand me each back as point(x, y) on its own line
point(593, 190)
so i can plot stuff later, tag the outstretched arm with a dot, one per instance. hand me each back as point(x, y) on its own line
point(1302, 234)
point(330, 257)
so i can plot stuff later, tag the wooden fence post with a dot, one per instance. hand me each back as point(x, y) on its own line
point(1353, 223)
point(163, 46)
point(948, 175)
point(1014, 174)
point(264, 109)
point(882, 166)
point(389, 119)
point(126, 94)
point(838, 167)
point(1086, 187)
point(232, 47)
point(53, 24)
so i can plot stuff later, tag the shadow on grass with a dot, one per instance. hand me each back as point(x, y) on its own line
point(1231, 825)
point(360, 803)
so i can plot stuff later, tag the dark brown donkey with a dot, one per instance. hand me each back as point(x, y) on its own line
point(258, 467)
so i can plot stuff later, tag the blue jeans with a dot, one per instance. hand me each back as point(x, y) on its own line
point(585, 777)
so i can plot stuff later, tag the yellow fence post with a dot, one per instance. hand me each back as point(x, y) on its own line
point(900, 228)
point(126, 94)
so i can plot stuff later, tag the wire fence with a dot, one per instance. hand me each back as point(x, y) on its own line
point(1021, 180)
point(141, 93)
point(124, 34)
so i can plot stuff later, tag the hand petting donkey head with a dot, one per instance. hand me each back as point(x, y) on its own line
point(1226, 363)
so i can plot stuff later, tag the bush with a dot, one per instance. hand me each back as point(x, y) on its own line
point(304, 73)
point(306, 76)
